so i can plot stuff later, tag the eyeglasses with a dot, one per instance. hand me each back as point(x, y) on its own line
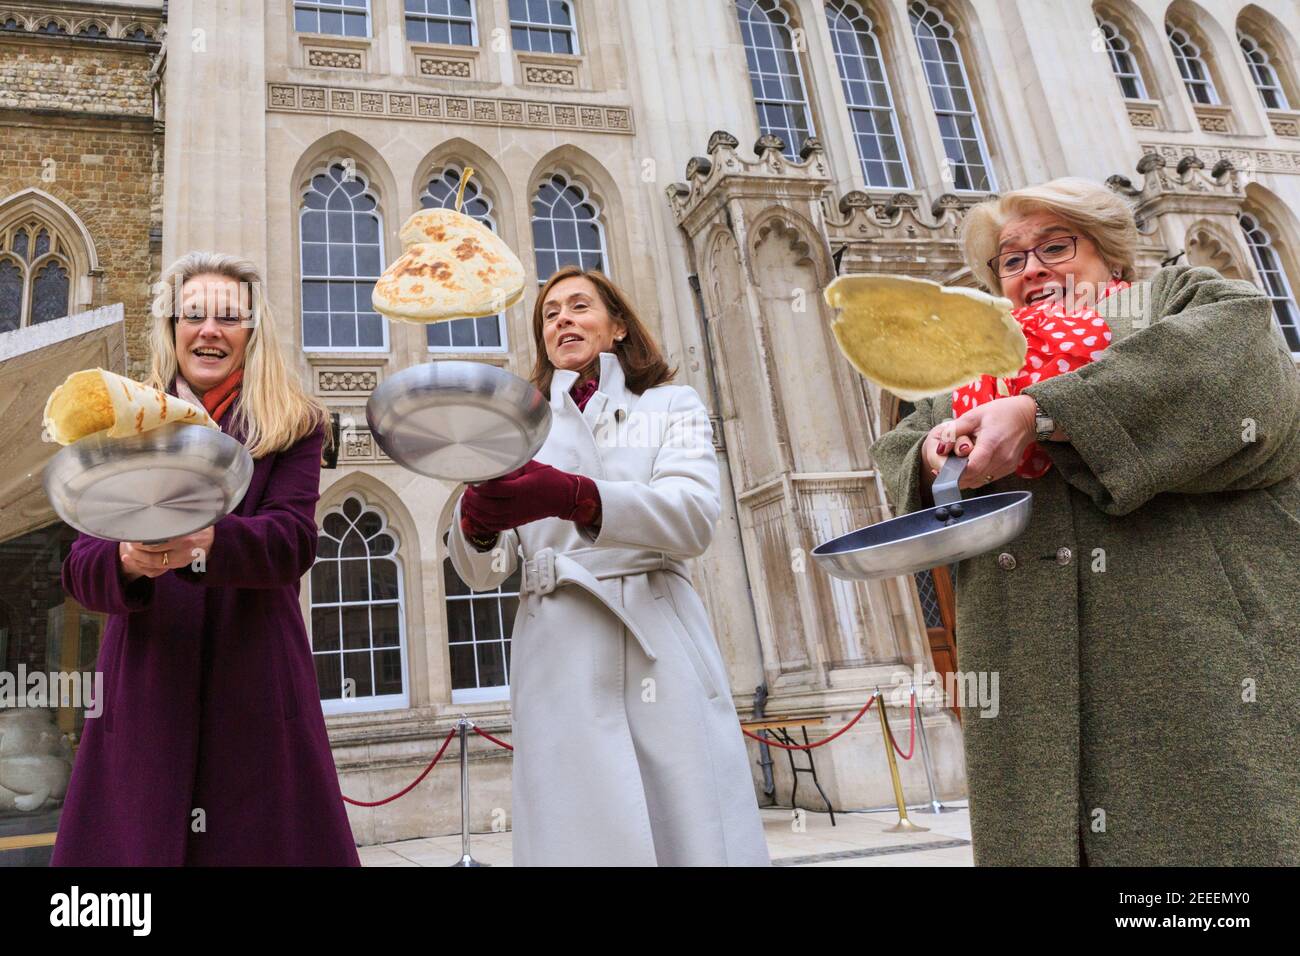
point(1049, 251)
point(225, 321)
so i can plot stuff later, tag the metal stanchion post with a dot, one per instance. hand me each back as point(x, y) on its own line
point(903, 824)
point(465, 859)
point(935, 806)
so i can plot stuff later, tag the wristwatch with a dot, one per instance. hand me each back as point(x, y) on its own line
point(1044, 427)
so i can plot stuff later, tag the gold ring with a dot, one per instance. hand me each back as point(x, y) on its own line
point(164, 559)
point(987, 478)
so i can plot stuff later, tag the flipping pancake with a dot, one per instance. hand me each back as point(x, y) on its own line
point(918, 338)
point(453, 267)
point(96, 400)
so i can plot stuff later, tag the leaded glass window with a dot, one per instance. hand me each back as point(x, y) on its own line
point(343, 18)
point(866, 89)
point(1191, 67)
point(543, 26)
point(342, 257)
point(775, 73)
point(1269, 265)
point(356, 596)
point(1123, 63)
point(487, 334)
point(566, 228)
point(441, 21)
point(950, 94)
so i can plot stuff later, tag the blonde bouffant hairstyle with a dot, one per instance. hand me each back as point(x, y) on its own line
point(1094, 210)
point(274, 411)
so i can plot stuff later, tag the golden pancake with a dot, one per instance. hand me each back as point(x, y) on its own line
point(452, 267)
point(918, 338)
point(96, 400)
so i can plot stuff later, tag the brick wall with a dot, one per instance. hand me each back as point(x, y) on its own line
point(68, 77)
point(102, 168)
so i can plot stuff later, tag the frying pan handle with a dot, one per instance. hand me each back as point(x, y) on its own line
point(944, 489)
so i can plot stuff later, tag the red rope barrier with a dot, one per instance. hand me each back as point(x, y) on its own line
point(911, 718)
point(820, 743)
point(414, 783)
point(499, 743)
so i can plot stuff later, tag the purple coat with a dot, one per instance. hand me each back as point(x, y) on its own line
point(210, 698)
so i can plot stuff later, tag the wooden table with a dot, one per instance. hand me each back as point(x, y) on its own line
point(779, 728)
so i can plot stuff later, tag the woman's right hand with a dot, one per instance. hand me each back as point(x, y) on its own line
point(138, 563)
point(935, 450)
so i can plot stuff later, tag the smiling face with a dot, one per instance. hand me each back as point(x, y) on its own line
point(208, 351)
point(576, 325)
point(1082, 277)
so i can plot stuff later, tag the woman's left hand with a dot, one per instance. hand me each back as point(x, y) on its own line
point(999, 431)
point(532, 493)
point(180, 551)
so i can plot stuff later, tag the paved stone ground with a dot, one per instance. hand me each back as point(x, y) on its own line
point(858, 839)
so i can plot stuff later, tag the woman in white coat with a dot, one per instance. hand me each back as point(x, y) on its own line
point(628, 751)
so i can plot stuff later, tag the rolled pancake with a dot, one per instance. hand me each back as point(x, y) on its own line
point(96, 400)
point(452, 267)
point(918, 338)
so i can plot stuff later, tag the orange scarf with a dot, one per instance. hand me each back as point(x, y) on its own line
point(218, 399)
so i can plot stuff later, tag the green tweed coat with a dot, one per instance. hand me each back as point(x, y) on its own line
point(1148, 681)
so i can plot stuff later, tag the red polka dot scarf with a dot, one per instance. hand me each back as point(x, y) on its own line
point(1058, 342)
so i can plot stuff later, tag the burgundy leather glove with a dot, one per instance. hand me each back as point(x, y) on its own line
point(531, 493)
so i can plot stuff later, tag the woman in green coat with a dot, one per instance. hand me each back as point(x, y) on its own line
point(1145, 628)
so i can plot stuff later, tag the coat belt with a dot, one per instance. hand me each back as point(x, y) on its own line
point(547, 570)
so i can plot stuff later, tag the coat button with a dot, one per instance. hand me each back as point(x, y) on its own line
point(1006, 561)
point(1063, 555)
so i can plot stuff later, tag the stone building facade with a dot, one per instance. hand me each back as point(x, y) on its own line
point(81, 160)
point(723, 160)
point(81, 153)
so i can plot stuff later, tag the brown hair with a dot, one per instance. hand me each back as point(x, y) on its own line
point(643, 363)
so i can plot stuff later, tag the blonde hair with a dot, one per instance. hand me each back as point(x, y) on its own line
point(273, 411)
point(1094, 210)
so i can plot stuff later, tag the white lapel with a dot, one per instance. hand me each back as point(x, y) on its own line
point(611, 393)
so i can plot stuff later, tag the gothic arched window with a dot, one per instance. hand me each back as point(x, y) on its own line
point(486, 334)
point(1123, 62)
point(1191, 67)
point(866, 90)
point(1269, 265)
point(1262, 73)
point(342, 255)
point(775, 73)
point(357, 622)
point(950, 94)
point(36, 275)
point(566, 228)
point(479, 625)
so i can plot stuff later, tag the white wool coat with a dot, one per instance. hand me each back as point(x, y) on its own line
point(628, 751)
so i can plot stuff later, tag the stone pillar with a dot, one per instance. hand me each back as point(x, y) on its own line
point(1184, 209)
point(215, 189)
point(798, 428)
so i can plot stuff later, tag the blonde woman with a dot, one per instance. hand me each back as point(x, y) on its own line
point(211, 748)
point(1143, 627)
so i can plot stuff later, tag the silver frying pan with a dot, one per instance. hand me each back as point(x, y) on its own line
point(162, 484)
point(950, 531)
point(459, 421)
